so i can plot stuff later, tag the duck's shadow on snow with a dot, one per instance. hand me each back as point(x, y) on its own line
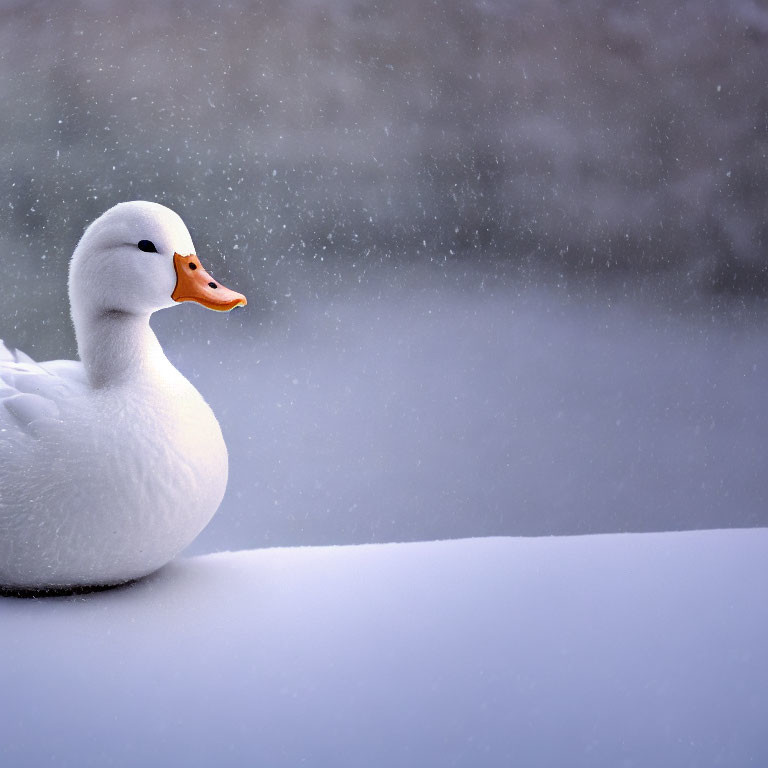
point(163, 576)
point(33, 594)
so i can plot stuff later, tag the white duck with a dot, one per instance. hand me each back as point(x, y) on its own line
point(109, 467)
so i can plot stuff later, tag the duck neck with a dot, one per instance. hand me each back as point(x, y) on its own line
point(117, 347)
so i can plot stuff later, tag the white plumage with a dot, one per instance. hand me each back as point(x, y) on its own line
point(112, 465)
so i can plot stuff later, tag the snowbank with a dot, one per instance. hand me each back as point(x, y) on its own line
point(640, 649)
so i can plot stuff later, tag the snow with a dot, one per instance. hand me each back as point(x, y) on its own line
point(608, 650)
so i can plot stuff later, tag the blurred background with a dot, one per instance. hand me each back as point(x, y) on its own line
point(505, 260)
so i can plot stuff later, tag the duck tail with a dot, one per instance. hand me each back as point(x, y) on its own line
point(13, 355)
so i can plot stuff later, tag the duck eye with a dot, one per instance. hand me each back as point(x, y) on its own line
point(147, 246)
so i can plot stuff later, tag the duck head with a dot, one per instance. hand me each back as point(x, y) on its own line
point(138, 257)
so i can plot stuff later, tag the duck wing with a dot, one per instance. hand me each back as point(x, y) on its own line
point(30, 392)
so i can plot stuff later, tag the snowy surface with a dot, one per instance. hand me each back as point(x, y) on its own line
point(615, 650)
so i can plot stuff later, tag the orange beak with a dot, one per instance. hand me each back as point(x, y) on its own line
point(193, 283)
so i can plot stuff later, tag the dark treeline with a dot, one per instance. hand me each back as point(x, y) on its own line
point(593, 138)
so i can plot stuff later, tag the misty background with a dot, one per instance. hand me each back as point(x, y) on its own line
point(505, 261)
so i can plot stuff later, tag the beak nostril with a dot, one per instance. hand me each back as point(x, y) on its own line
point(212, 285)
point(193, 266)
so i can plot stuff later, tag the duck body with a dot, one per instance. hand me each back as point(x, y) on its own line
point(111, 465)
point(112, 486)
